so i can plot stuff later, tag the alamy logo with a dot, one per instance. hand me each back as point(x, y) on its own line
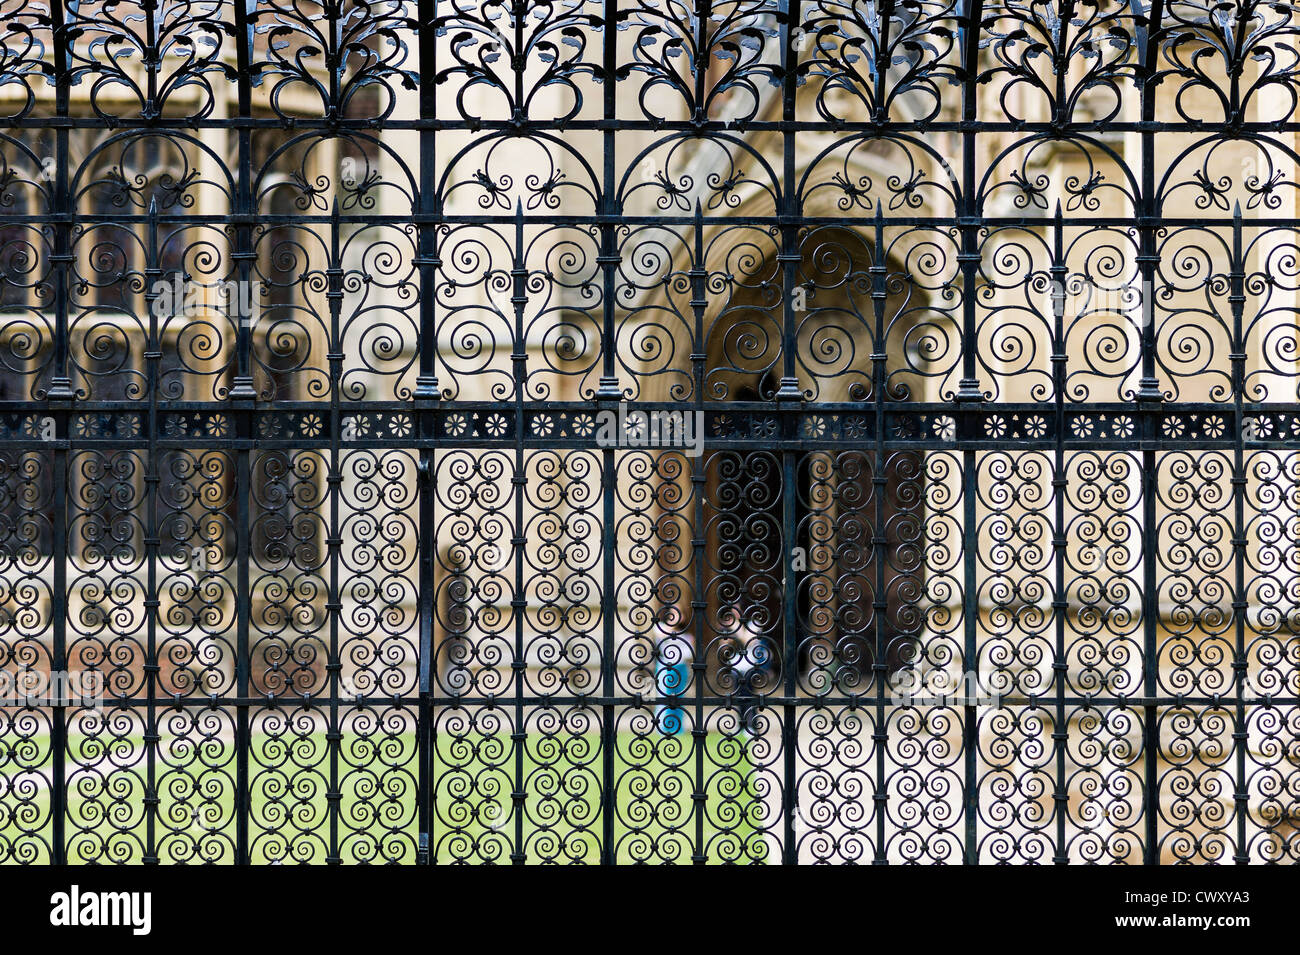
point(925, 685)
point(77, 908)
point(193, 300)
point(27, 688)
point(651, 429)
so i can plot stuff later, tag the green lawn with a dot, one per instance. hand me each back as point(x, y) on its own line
point(475, 817)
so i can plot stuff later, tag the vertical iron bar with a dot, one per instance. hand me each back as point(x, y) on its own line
point(518, 543)
point(699, 606)
point(788, 396)
point(428, 207)
point(1240, 606)
point(59, 663)
point(242, 386)
point(1149, 396)
point(1151, 664)
point(880, 72)
point(242, 395)
point(790, 645)
point(1060, 600)
point(426, 395)
point(969, 211)
point(334, 541)
point(610, 207)
point(151, 60)
point(60, 394)
point(970, 653)
point(607, 396)
point(152, 356)
point(609, 714)
point(1062, 55)
point(61, 258)
point(879, 540)
point(703, 10)
point(970, 206)
point(790, 207)
point(427, 662)
point(243, 740)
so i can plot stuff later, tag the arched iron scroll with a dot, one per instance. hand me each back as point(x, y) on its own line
point(649, 430)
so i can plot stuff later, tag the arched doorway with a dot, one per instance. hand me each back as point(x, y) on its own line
point(845, 526)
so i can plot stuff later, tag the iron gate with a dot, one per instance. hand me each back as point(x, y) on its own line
point(850, 430)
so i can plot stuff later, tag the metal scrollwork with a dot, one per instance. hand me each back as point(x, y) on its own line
point(610, 431)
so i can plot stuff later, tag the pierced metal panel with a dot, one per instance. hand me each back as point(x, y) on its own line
point(617, 430)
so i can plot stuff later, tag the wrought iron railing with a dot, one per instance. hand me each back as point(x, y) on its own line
point(614, 431)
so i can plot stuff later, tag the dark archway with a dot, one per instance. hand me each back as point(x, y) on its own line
point(858, 512)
